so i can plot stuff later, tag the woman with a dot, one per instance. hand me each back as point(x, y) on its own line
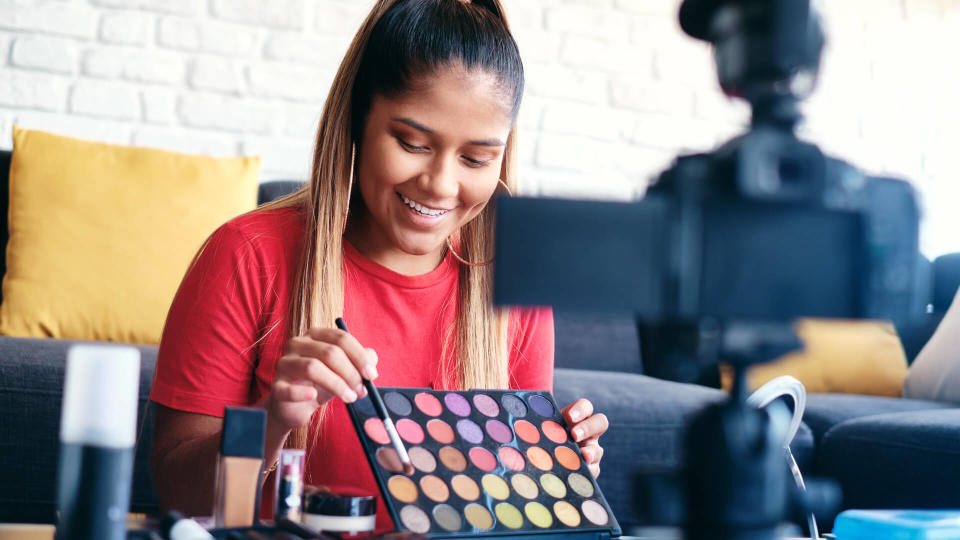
point(392, 232)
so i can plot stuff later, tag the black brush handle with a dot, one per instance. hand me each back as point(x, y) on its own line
point(367, 383)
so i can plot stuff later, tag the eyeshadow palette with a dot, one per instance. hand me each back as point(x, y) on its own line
point(492, 462)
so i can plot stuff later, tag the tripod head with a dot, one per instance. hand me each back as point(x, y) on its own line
point(767, 51)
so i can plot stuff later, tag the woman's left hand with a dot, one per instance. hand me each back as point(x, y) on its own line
point(586, 429)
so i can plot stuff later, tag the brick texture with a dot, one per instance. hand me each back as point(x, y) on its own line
point(614, 88)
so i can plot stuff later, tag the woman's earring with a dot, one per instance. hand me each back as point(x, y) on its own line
point(505, 186)
point(457, 255)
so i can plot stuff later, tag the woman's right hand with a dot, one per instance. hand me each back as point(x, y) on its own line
point(324, 364)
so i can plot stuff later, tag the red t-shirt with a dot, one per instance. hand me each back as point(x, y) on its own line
point(228, 325)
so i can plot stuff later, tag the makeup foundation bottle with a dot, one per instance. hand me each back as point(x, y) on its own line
point(240, 468)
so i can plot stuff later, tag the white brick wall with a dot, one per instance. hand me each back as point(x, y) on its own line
point(614, 90)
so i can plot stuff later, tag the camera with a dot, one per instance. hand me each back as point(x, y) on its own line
point(726, 249)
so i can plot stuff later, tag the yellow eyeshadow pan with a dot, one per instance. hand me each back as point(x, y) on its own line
point(509, 515)
point(538, 514)
point(486, 462)
point(525, 486)
point(566, 513)
point(581, 485)
point(553, 486)
point(495, 486)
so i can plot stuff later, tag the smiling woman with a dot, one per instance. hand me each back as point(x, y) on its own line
point(416, 135)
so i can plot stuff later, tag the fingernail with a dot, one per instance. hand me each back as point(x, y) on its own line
point(349, 395)
point(574, 415)
point(577, 433)
point(359, 389)
point(370, 372)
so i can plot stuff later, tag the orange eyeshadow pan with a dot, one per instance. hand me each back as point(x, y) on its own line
point(540, 458)
point(567, 457)
point(440, 431)
point(554, 431)
point(527, 432)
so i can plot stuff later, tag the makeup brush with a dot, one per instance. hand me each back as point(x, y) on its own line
point(384, 416)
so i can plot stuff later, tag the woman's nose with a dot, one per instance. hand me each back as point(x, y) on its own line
point(440, 178)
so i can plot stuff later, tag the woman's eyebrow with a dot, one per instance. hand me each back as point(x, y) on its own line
point(418, 126)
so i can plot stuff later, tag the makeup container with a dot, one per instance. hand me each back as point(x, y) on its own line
point(240, 468)
point(487, 462)
point(339, 513)
point(98, 426)
point(289, 490)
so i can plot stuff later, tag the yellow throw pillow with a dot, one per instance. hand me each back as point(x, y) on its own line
point(841, 356)
point(101, 235)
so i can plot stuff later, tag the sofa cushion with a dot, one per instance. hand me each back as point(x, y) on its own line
point(839, 356)
point(825, 411)
point(101, 235)
point(31, 386)
point(895, 460)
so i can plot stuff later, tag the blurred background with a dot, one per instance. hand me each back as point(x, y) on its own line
point(614, 88)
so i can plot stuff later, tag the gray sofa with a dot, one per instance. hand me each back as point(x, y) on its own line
point(886, 452)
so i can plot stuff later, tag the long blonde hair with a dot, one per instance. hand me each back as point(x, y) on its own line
point(475, 351)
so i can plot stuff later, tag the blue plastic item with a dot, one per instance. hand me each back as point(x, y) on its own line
point(898, 525)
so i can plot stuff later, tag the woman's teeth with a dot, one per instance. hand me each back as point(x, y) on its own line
point(421, 209)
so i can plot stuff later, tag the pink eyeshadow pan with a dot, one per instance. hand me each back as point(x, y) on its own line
point(482, 459)
point(428, 404)
point(486, 405)
point(409, 431)
point(376, 431)
point(511, 458)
